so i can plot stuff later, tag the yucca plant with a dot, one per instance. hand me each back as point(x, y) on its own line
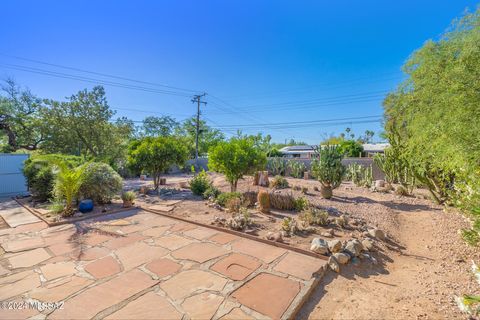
point(67, 185)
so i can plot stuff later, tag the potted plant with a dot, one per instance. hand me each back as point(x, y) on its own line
point(328, 169)
point(128, 197)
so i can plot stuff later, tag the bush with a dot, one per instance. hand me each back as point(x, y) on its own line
point(128, 196)
point(401, 191)
point(314, 216)
point(233, 205)
point(282, 201)
point(211, 192)
point(301, 204)
point(225, 196)
point(40, 176)
point(250, 198)
point(290, 226)
point(199, 183)
point(350, 148)
point(279, 182)
point(100, 183)
point(304, 190)
point(264, 201)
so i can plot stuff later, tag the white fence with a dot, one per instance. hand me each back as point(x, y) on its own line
point(12, 181)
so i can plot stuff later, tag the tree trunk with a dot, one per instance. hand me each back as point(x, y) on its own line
point(233, 186)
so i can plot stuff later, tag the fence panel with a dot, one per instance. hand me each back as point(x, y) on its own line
point(12, 181)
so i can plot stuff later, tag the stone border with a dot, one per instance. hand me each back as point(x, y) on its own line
point(75, 219)
point(239, 234)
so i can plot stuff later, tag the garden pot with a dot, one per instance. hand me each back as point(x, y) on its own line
point(127, 204)
point(326, 192)
point(85, 206)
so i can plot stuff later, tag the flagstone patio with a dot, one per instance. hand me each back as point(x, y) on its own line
point(139, 265)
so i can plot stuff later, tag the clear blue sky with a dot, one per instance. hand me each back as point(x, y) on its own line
point(270, 61)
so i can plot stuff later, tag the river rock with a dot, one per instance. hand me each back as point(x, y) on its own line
point(275, 236)
point(342, 257)
point(367, 244)
point(377, 233)
point(333, 264)
point(335, 245)
point(319, 246)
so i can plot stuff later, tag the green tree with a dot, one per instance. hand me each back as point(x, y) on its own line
point(20, 122)
point(83, 126)
point(430, 117)
point(158, 126)
point(207, 138)
point(157, 155)
point(235, 158)
point(350, 148)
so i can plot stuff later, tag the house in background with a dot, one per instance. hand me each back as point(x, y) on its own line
point(308, 151)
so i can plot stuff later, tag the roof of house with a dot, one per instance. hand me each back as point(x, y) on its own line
point(367, 147)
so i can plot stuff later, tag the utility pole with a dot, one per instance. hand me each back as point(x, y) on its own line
point(197, 98)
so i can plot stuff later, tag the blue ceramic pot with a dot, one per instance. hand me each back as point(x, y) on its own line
point(85, 206)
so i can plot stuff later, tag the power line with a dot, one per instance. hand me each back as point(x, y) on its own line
point(97, 73)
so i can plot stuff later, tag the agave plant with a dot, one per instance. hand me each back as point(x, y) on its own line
point(67, 184)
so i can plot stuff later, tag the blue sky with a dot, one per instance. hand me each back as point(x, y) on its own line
point(261, 62)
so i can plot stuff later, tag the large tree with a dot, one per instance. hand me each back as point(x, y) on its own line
point(207, 138)
point(432, 117)
point(83, 125)
point(20, 122)
point(163, 126)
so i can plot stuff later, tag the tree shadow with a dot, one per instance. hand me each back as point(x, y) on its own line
point(407, 207)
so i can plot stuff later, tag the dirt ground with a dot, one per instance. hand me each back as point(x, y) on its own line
point(418, 271)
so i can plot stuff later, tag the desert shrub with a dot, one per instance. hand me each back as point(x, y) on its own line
point(301, 204)
point(279, 182)
point(128, 196)
point(40, 176)
point(264, 201)
point(296, 168)
point(314, 216)
point(341, 221)
point(240, 221)
point(100, 183)
point(225, 196)
point(304, 190)
point(199, 183)
point(401, 191)
point(277, 166)
point(290, 226)
point(233, 205)
point(282, 201)
point(250, 198)
point(297, 188)
point(211, 192)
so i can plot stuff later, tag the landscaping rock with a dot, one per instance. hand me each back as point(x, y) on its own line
point(326, 234)
point(379, 184)
point(342, 257)
point(319, 246)
point(335, 245)
point(275, 236)
point(367, 244)
point(333, 264)
point(377, 233)
point(354, 247)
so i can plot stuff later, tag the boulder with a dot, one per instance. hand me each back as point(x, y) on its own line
point(377, 233)
point(354, 247)
point(275, 236)
point(334, 245)
point(367, 244)
point(333, 264)
point(342, 257)
point(319, 246)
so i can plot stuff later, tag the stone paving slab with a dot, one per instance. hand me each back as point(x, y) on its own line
point(15, 215)
point(146, 266)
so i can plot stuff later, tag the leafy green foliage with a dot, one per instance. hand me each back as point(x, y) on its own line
point(128, 196)
point(68, 182)
point(224, 197)
point(328, 168)
point(296, 168)
point(100, 183)
point(301, 204)
point(211, 192)
point(235, 158)
point(428, 119)
point(208, 137)
point(157, 155)
point(199, 183)
point(350, 148)
point(163, 126)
